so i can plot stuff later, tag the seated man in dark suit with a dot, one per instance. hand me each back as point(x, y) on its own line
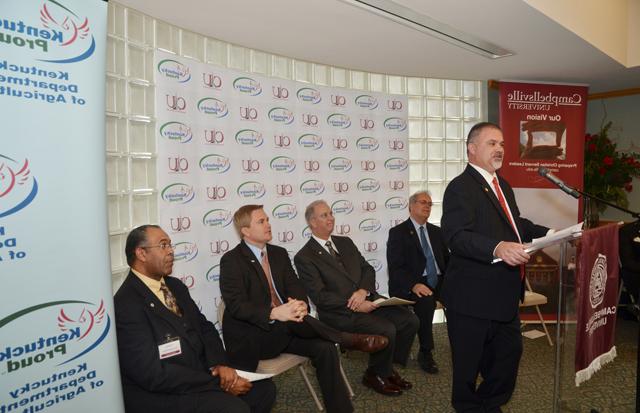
point(267, 312)
point(416, 259)
point(171, 357)
point(342, 285)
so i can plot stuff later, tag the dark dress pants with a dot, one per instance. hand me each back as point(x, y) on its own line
point(396, 323)
point(315, 340)
point(486, 347)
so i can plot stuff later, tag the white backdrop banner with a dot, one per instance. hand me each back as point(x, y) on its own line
point(227, 138)
point(57, 335)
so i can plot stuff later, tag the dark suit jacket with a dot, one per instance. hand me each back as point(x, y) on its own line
point(405, 259)
point(143, 323)
point(473, 224)
point(246, 295)
point(328, 284)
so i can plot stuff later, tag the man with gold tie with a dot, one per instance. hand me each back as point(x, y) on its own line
point(171, 357)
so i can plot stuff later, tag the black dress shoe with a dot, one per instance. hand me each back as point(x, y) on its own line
point(380, 385)
point(399, 381)
point(427, 363)
point(367, 343)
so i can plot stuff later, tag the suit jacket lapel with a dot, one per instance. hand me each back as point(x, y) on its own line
point(350, 259)
point(257, 267)
point(318, 251)
point(158, 308)
point(489, 193)
point(413, 235)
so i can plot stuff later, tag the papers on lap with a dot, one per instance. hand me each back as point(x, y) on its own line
point(251, 376)
point(385, 302)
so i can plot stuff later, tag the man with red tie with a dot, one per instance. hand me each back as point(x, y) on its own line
point(481, 222)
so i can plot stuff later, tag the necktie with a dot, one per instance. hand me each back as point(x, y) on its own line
point(170, 299)
point(503, 204)
point(275, 300)
point(334, 253)
point(432, 272)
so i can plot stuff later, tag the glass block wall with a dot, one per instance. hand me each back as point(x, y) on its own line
point(441, 111)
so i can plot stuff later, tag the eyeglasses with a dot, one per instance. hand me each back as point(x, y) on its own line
point(163, 246)
point(423, 202)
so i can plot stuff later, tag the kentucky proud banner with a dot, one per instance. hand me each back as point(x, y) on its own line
point(57, 335)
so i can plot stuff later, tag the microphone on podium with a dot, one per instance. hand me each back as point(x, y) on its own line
point(544, 172)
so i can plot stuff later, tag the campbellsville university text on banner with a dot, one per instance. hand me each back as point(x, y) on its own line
point(597, 298)
point(543, 127)
point(57, 334)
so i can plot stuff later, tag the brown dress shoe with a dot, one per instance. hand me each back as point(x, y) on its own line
point(380, 385)
point(368, 343)
point(399, 381)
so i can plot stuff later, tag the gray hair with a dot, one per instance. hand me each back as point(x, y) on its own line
point(414, 198)
point(311, 209)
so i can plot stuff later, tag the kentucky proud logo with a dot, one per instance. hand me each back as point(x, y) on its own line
point(52, 31)
point(174, 70)
point(72, 329)
point(17, 187)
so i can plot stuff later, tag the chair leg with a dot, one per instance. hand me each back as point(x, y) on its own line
point(310, 387)
point(346, 382)
point(544, 326)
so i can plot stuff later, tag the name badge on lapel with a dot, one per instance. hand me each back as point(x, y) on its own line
point(171, 347)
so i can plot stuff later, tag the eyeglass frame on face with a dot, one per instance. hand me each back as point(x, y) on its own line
point(424, 202)
point(163, 246)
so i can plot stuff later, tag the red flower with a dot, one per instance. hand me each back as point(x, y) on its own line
point(628, 187)
point(592, 147)
point(587, 137)
point(602, 170)
point(608, 160)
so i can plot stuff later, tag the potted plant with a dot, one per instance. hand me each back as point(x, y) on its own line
point(608, 174)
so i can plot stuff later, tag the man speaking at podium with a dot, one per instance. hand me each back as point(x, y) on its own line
point(481, 222)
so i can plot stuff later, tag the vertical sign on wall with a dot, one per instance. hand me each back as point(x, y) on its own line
point(57, 337)
point(228, 138)
point(544, 127)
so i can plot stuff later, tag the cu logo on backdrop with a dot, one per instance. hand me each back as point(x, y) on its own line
point(213, 136)
point(180, 224)
point(176, 103)
point(178, 165)
point(218, 247)
point(281, 141)
point(211, 81)
point(284, 189)
point(216, 193)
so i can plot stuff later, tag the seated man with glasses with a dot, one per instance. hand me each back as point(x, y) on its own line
point(417, 258)
point(171, 357)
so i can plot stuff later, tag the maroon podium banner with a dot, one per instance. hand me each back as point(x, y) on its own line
point(596, 300)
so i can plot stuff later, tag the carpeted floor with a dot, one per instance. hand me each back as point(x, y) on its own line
point(611, 390)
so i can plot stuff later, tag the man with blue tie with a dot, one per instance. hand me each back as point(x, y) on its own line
point(416, 259)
